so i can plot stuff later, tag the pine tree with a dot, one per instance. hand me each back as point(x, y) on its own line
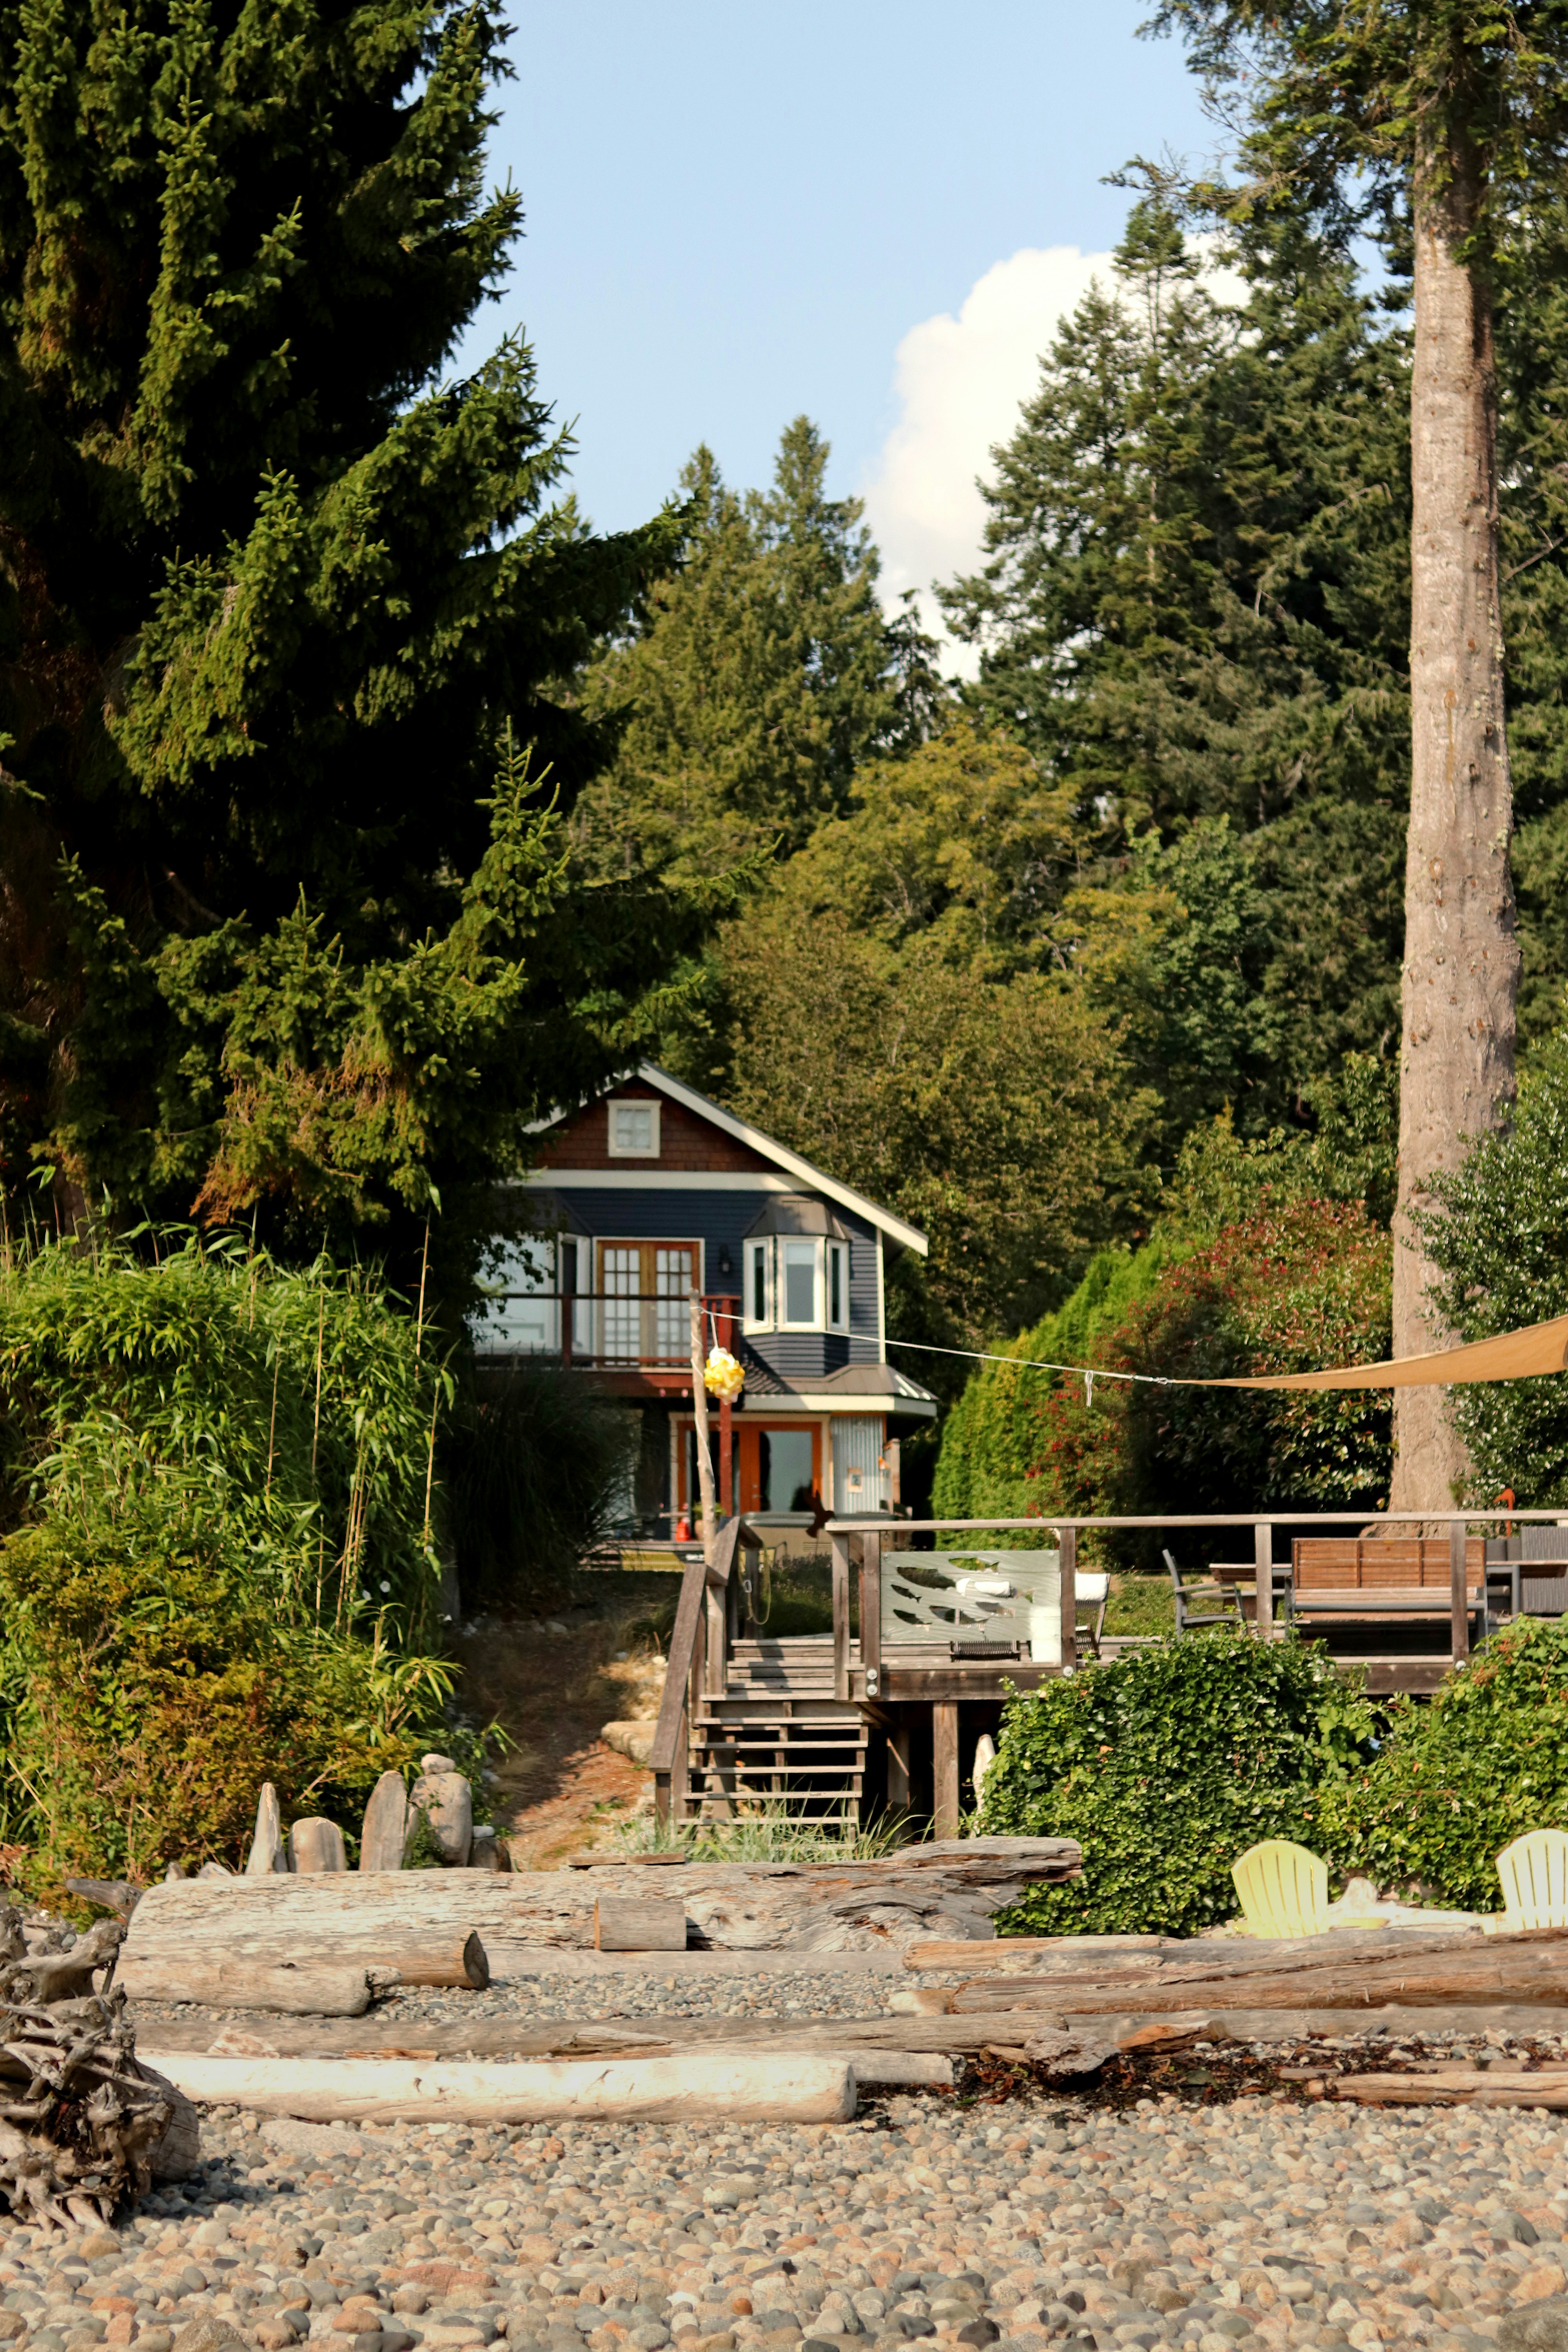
point(762, 673)
point(287, 916)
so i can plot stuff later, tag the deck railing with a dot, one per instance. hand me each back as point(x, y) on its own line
point(611, 1330)
point(857, 1548)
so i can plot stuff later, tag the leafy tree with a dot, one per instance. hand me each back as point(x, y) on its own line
point(1497, 1234)
point(996, 1114)
point(277, 604)
point(1438, 123)
point(758, 677)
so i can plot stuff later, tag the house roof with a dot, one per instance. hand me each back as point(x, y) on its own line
point(897, 1229)
point(797, 1213)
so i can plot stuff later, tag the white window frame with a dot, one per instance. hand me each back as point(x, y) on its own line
point(835, 1259)
point(786, 1321)
point(633, 1151)
point(755, 1253)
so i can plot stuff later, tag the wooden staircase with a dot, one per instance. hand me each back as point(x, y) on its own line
point(777, 1740)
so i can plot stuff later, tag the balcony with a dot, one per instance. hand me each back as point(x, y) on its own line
point(638, 1340)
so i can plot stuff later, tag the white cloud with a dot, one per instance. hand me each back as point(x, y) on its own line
point(958, 383)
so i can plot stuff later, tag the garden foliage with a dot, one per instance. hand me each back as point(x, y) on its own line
point(1165, 1766)
point(1297, 1284)
point(217, 1564)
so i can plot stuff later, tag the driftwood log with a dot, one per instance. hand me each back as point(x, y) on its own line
point(83, 2126)
point(252, 1984)
point(1340, 1971)
point(950, 1888)
point(750, 2089)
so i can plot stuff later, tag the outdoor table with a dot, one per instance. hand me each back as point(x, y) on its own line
point(1245, 1571)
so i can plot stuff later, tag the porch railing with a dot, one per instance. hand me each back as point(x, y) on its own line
point(714, 1607)
point(609, 1331)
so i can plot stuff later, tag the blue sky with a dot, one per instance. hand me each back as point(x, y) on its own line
point(870, 212)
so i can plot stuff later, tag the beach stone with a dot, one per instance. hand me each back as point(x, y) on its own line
point(1537, 2327)
point(384, 1831)
point(209, 2334)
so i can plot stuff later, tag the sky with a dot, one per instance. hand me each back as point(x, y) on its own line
point(872, 213)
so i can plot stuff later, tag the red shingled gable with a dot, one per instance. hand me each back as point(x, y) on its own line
point(685, 1140)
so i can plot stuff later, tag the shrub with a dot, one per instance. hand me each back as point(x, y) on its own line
point(1485, 1759)
point(216, 1565)
point(1165, 1766)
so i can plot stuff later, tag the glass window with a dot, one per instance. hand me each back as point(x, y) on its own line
point(836, 1287)
point(634, 1131)
point(784, 1467)
point(800, 1282)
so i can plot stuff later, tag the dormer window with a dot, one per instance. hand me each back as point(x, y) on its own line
point(796, 1270)
point(634, 1129)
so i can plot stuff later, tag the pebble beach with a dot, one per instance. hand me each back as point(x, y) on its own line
point(970, 2218)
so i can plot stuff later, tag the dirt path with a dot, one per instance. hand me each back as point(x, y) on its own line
point(551, 1685)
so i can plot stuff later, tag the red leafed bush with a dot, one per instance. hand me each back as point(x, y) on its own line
point(1295, 1287)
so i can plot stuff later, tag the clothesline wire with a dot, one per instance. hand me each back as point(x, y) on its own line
point(1037, 1364)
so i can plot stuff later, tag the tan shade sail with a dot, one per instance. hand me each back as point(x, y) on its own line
point(1511, 1356)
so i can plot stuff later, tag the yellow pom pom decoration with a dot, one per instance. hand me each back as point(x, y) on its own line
point(722, 1377)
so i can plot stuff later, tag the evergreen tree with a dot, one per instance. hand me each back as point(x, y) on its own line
point(759, 676)
point(1193, 605)
point(280, 606)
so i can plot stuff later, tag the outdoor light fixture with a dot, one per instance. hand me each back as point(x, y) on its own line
point(726, 1263)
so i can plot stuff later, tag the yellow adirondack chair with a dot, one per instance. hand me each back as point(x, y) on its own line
point(1535, 1874)
point(1284, 1889)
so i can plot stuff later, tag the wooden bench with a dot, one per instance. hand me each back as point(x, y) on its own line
point(1359, 1580)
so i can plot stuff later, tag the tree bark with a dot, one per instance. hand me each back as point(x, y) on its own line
point(1461, 950)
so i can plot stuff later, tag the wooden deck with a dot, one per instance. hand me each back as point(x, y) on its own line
point(825, 1727)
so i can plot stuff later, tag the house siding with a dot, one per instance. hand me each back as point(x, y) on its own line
point(583, 1139)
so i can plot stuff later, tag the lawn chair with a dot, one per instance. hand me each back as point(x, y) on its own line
point(1093, 1590)
point(1284, 1889)
point(1189, 1589)
point(1535, 1874)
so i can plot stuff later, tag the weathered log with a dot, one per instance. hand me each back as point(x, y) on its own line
point(1415, 1971)
point(317, 1844)
point(1028, 1955)
point(1477, 2087)
point(250, 1984)
point(115, 1894)
point(623, 1926)
point(385, 1834)
point(455, 1961)
point(788, 2089)
point(952, 1888)
point(44, 1977)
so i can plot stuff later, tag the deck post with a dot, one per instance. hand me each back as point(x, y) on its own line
point(1263, 1580)
point(840, 1617)
point(945, 1766)
point(1458, 1592)
point(871, 1602)
point(898, 1769)
point(1067, 1537)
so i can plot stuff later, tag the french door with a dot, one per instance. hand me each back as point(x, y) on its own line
point(645, 1290)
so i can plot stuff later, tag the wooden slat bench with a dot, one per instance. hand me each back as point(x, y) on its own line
point(1359, 1580)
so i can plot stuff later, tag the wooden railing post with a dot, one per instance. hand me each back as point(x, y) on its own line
point(1458, 1592)
point(871, 1605)
point(840, 1617)
point(1066, 1539)
point(1262, 1582)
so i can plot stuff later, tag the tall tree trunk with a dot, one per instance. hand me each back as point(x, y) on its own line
point(1461, 952)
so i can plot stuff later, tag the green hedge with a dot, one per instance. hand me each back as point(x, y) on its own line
point(1165, 1766)
point(1168, 1765)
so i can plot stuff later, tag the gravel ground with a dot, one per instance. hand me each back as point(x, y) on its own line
point(976, 2220)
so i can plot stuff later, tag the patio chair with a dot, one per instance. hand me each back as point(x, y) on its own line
point(1284, 1889)
point(1189, 1589)
point(1535, 1874)
point(1093, 1590)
